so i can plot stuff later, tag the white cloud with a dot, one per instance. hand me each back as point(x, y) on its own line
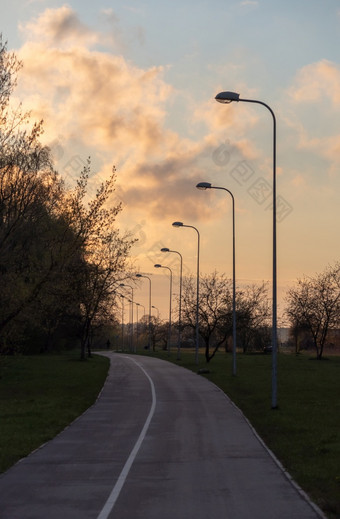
point(317, 82)
point(101, 97)
point(58, 27)
point(108, 107)
point(312, 112)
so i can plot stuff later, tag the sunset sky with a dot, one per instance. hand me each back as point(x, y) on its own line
point(132, 84)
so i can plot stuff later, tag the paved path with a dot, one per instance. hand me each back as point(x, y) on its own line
point(160, 443)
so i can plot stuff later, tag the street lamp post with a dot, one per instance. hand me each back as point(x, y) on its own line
point(181, 224)
point(165, 249)
point(136, 327)
point(228, 97)
point(122, 298)
point(155, 307)
point(131, 288)
point(147, 277)
point(139, 304)
point(136, 342)
point(158, 266)
point(207, 185)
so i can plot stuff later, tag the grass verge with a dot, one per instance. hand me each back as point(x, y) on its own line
point(40, 396)
point(303, 432)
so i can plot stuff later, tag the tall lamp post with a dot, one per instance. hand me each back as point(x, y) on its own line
point(228, 97)
point(136, 327)
point(181, 224)
point(158, 266)
point(139, 304)
point(122, 298)
point(136, 342)
point(131, 288)
point(155, 307)
point(207, 185)
point(165, 249)
point(147, 277)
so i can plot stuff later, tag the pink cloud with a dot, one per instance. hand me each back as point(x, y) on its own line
point(95, 99)
point(317, 81)
point(102, 104)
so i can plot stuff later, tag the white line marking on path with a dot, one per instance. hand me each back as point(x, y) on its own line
point(110, 503)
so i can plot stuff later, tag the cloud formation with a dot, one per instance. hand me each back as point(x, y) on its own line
point(316, 82)
point(59, 27)
point(103, 105)
point(317, 85)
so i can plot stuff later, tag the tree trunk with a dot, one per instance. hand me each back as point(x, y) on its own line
point(317, 348)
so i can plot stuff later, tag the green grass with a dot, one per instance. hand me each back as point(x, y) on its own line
point(304, 432)
point(40, 396)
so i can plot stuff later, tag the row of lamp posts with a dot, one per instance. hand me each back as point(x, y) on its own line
point(226, 98)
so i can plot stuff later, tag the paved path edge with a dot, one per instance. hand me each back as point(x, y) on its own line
point(285, 472)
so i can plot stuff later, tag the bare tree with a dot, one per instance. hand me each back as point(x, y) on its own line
point(215, 291)
point(253, 314)
point(216, 309)
point(315, 305)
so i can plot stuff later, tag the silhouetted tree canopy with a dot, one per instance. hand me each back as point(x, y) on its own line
point(216, 309)
point(313, 306)
point(60, 253)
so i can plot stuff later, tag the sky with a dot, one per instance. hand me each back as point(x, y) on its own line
point(132, 84)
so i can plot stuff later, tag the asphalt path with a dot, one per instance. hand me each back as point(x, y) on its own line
point(161, 442)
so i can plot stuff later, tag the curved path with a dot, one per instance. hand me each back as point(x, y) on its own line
point(160, 443)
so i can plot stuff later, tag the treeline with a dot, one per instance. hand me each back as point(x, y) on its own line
point(312, 310)
point(60, 255)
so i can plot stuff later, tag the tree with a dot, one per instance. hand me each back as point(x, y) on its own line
point(253, 313)
point(216, 310)
point(159, 332)
point(36, 297)
point(314, 304)
point(214, 305)
point(30, 198)
point(9, 67)
point(60, 254)
point(300, 336)
point(105, 251)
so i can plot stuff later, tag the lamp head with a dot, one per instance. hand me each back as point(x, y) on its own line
point(227, 97)
point(177, 224)
point(165, 249)
point(158, 265)
point(203, 185)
